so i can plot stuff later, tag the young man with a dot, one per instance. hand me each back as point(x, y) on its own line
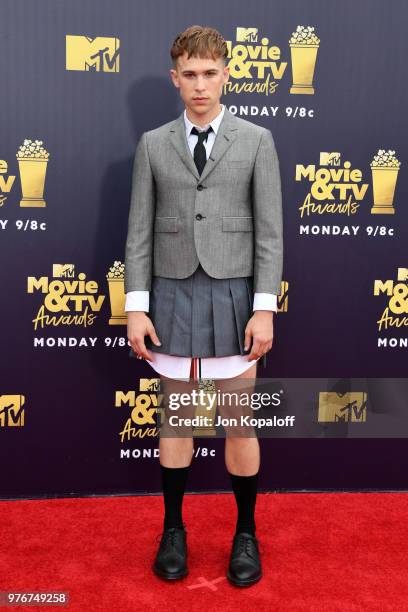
point(204, 259)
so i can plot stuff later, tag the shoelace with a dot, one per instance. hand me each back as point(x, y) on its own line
point(247, 546)
point(169, 534)
point(172, 536)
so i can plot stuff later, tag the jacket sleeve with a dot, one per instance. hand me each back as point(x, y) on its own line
point(267, 211)
point(139, 241)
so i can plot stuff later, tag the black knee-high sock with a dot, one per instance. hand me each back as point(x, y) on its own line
point(173, 483)
point(245, 489)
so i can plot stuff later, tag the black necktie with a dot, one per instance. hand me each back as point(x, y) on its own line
point(200, 156)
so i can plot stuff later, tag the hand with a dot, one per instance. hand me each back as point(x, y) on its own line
point(138, 326)
point(260, 328)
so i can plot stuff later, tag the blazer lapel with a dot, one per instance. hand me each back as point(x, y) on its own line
point(178, 139)
point(226, 134)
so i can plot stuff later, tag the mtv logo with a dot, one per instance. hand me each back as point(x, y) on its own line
point(283, 297)
point(149, 384)
point(350, 407)
point(402, 274)
point(99, 54)
point(329, 159)
point(247, 34)
point(63, 270)
point(11, 410)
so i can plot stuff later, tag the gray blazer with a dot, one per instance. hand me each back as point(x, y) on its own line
point(229, 219)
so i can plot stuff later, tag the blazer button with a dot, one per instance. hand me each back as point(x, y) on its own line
point(199, 217)
point(200, 187)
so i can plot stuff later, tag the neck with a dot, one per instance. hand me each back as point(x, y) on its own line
point(202, 120)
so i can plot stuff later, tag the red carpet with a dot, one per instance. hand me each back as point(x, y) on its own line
point(341, 552)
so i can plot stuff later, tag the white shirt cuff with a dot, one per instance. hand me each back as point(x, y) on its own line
point(265, 301)
point(137, 301)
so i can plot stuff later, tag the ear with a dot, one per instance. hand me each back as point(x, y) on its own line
point(226, 74)
point(174, 77)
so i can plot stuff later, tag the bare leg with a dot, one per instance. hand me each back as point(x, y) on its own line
point(176, 450)
point(242, 454)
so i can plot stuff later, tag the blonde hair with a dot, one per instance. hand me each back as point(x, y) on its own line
point(199, 41)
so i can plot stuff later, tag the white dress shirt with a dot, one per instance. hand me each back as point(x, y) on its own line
point(174, 366)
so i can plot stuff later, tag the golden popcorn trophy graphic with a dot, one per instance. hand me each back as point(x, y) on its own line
point(303, 49)
point(208, 386)
point(117, 297)
point(384, 168)
point(32, 161)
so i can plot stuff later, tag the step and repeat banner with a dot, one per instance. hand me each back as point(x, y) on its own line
point(82, 80)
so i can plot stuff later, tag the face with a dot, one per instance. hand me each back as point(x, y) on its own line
point(200, 81)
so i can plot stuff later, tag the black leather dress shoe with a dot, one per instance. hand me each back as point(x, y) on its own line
point(245, 565)
point(171, 558)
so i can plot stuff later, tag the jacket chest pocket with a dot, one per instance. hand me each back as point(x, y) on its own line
point(237, 224)
point(234, 163)
point(165, 224)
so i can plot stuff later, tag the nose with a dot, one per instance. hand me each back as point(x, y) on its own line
point(200, 84)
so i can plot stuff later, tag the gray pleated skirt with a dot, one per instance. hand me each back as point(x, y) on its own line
point(200, 316)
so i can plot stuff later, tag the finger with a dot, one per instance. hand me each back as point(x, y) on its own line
point(256, 351)
point(247, 339)
point(152, 333)
point(142, 350)
point(133, 345)
point(139, 348)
